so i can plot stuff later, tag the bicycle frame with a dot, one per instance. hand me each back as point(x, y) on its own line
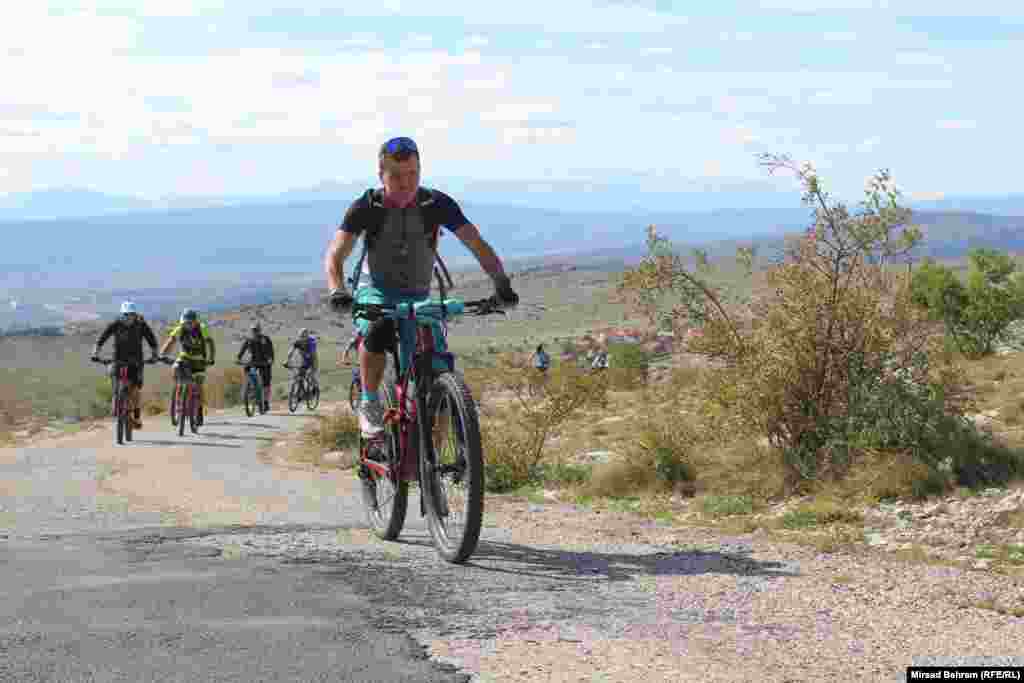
point(420, 371)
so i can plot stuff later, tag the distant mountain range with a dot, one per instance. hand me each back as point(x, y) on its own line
point(565, 196)
point(247, 251)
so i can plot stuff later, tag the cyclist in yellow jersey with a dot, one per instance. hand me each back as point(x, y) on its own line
point(197, 352)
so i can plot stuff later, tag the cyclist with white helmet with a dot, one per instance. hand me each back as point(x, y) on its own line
point(128, 332)
point(197, 352)
point(306, 346)
point(261, 356)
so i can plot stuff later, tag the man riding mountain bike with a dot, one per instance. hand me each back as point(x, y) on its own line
point(401, 223)
point(194, 338)
point(128, 332)
point(305, 345)
point(261, 357)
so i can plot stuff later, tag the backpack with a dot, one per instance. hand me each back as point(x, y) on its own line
point(431, 225)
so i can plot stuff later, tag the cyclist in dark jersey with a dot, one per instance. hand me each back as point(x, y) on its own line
point(128, 332)
point(261, 357)
point(400, 223)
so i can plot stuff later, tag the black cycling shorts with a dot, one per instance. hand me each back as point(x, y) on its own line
point(195, 367)
point(264, 371)
point(381, 338)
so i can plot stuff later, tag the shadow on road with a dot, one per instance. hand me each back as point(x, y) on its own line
point(185, 442)
point(553, 563)
point(260, 425)
point(214, 435)
point(570, 565)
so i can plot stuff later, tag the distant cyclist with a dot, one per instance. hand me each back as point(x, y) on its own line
point(541, 359)
point(197, 353)
point(305, 345)
point(261, 357)
point(128, 332)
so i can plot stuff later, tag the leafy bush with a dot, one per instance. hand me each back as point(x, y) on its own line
point(977, 315)
point(833, 357)
point(515, 436)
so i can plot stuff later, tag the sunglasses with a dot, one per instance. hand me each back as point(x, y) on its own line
point(399, 145)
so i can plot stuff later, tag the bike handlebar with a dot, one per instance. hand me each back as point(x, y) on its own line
point(487, 306)
point(109, 361)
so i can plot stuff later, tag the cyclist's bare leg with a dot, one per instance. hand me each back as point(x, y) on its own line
point(372, 366)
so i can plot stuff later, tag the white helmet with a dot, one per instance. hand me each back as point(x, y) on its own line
point(128, 307)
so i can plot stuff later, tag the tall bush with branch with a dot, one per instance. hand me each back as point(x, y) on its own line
point(803, 359)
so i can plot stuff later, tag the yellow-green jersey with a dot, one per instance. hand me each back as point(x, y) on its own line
point(191, 340)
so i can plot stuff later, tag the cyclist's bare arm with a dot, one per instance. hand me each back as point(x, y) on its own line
point(213, 347)
point(469, 235)
point(167, 346)
point(337, 251)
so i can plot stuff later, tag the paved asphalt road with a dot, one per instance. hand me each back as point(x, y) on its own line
point(97, 585)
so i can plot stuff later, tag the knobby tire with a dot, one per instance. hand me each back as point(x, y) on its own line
point(466, 477)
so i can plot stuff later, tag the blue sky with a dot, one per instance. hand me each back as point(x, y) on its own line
point(253, 97)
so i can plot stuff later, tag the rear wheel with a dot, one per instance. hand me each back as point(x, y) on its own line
point(452, 468)
point(386, 499)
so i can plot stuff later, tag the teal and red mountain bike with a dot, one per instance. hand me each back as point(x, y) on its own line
point(431, 434)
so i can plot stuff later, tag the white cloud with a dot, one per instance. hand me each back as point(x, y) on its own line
point(477, 41)
point(539, 135)
point(956, 124)
point(839, 36)
point(869, 145)
point(517, 111)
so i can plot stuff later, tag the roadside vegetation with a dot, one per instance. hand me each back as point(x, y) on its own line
point(830, 378)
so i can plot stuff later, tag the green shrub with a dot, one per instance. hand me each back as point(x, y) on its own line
point(977, 315)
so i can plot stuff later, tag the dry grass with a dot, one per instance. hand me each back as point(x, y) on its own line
point(336, 431)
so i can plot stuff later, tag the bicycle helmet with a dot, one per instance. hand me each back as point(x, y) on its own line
point(128, 308)
point(256, 328)
point(189, 314)
point(304, 333)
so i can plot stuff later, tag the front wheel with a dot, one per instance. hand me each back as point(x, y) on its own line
point(181, 394)
point(174, 405)
point(129, 415)
point(293, 396)
point(313, 395)
point(193, 409)
point(355, 391)
point(452, 468)
point(120, 421)
point(250, 398)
